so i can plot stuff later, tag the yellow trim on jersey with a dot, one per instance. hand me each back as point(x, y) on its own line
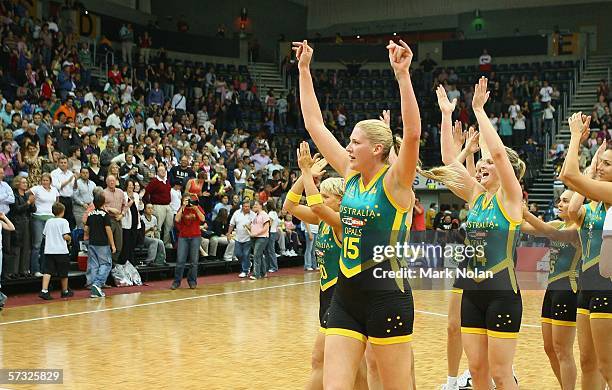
point(346, 333)
point(338, 242)
point(585, 312)
point(351, 174)
point(369, 186)
point(322, 330)
point(392, 200)
point(457, 290)
point(601, 316)
point(545, 320)
point(502, 335)
point(590, 263)
point(503, 210)
point(563, 323)
point(480, 331)
point(390, 340)
point(395, 266)
point(329, 284)
point(476, 197)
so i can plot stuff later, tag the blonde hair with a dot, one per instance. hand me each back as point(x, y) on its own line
point(450, 174)
point(377, 132)
point(333, 186)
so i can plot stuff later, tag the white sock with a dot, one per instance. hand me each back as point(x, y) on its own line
point(44, 291)
point(451, 381)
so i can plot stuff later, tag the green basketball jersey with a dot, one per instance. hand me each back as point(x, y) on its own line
point(370, 218)
point(564, 260)
point(590, 233)
point(327, 250)
point(492, 232)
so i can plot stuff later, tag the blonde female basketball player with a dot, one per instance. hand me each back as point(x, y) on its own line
point(594, 319)
point(561, 297)
point(376, 210)
point(491, 308)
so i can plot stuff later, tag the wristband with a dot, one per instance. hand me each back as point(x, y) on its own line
point(293, 197)
point(314, 199)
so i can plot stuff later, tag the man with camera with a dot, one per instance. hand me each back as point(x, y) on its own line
point(188, 220)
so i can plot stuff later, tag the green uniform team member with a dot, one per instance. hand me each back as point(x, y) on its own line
point(594, 319)
point(376, 210)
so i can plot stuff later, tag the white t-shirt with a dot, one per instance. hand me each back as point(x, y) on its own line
point(607, 227)
point(484, 59)
point(54, 231)
point(519, 123)
point(44, 199)
point(273, 221)
point(514, 110)
point(239, 221)
point(545, 93)
point(242, 174)
point(314, 229)
point(149, 224)
point(175, 200)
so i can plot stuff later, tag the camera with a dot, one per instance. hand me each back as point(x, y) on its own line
point(193, 202)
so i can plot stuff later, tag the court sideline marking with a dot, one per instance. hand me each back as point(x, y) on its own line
point(196, 297)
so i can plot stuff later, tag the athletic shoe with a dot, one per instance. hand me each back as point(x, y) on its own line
point(253, 277)
point(309, 269)
point(464, 381)
point(292, 253)
point(38, 275)
point(277, 255)
point(192, 285)
point(45, 295)
point(174, 286)
point(271, 271)
point(447, 387)
point(67, 294)
point(242, 275)
point(2, 299)
point(96, 292)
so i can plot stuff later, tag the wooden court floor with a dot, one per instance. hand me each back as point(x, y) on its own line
point(237, 335)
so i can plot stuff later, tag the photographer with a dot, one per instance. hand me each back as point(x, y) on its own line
point(188, 220)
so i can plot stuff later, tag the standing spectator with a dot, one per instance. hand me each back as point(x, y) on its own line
point(239, 222)
point(145, 44)
point(45, 196)
point(20, 214)
point(179, 102)
point(546, 93)
point(7, 198)
point(418, 222)
point(505, 129)
point(188, 220)
point(155, 97)
point(158, 191)
point(115, 206)
point(484, 62)
point(83, 196)
point(101, 245)
point(281, 106)
point(428, 66)
point(260, 233)
point(130, 222)
point(126, 34)
point(63, 179)
point(57, 237)
point(148, 168)
point(182, 172)
point(548, 118)
point(156, 251)
point(311, 236)
point(519, 130)
point(536, 119)
point(271, 248)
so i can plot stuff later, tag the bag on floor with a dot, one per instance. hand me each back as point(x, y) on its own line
point(120, 277)
point(132, 273)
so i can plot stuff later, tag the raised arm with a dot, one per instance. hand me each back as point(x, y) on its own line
point(313, 197)
point(510, 185)
point(575, 209)
point(536, 227)
point(403, 171)
point(600, 191)
point(292, 201)
point(313, 119)
point(447, 147)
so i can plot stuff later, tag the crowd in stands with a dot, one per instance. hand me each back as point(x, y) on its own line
point(144, 139)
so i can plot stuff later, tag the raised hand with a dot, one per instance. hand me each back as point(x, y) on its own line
point(386, 117)
point(481, 95)
point(471, 142)
point(458, 135)
point(304, 159)
point(586, 128)
point(575, 123)
point(446, 106)
point(303, 53)
point(400, 57)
